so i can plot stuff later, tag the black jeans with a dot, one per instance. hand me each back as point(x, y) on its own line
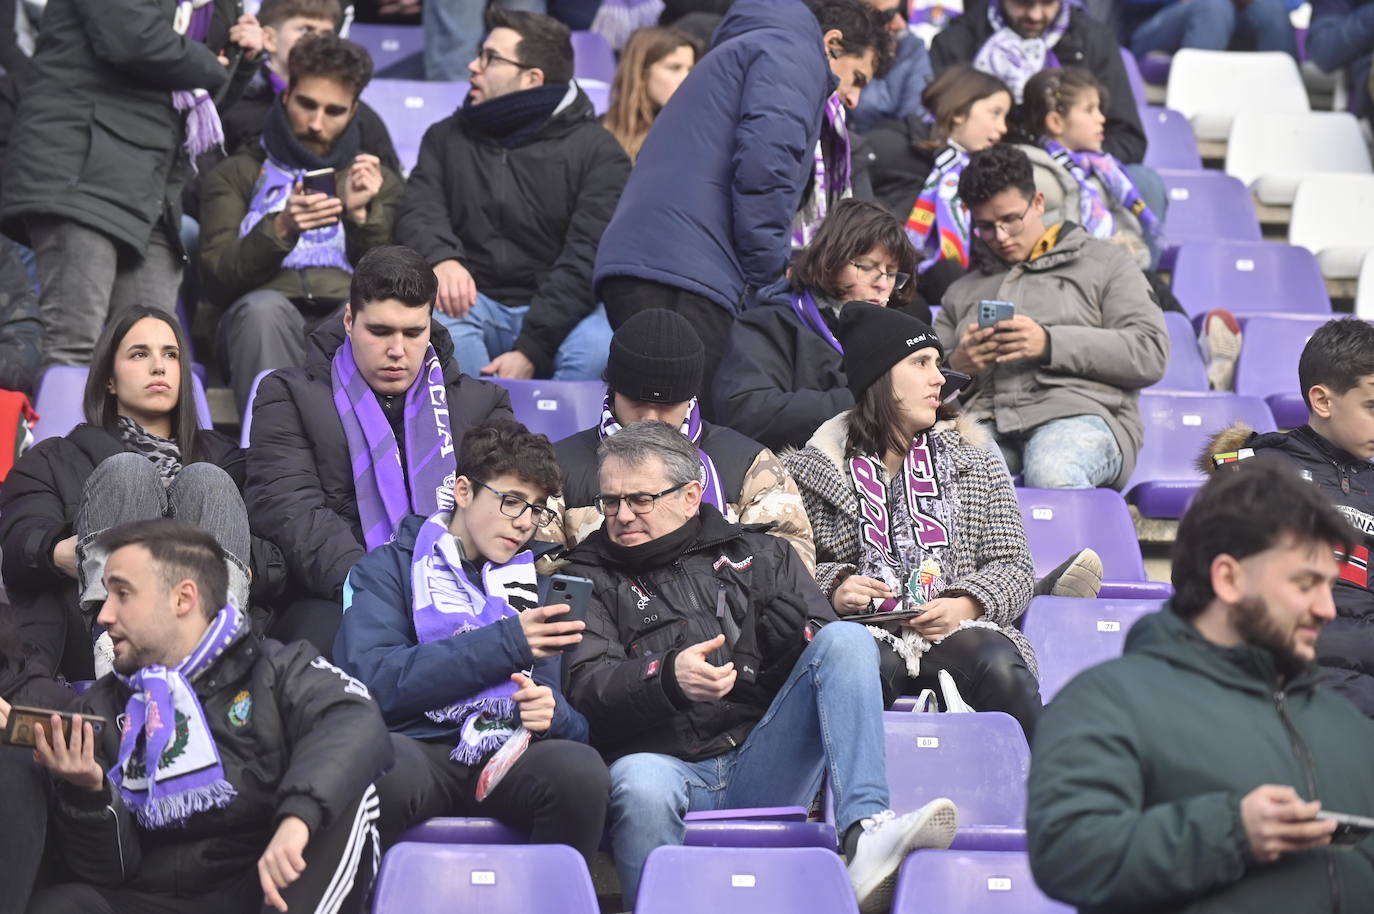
point(558, 791)
point(985, 665)
point(24, 791)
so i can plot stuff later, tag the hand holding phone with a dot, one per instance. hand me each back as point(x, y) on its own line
point(555, 628)
point(306, 211)
point(63, 743)
point(1350, 830)
point(990, 312)
point(320, 181)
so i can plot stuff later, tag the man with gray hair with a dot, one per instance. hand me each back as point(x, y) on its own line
point(714, 674)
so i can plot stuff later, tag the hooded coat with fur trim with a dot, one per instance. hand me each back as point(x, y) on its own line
point(991, 561)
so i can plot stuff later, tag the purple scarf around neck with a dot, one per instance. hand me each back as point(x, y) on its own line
point(712, 491)
point(809, 313)
point(386, 491)
point(1014, 59)
point(204, 131)
point(1094, 212)
point(829, 185)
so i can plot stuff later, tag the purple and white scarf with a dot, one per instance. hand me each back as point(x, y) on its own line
point(326, 246)
point(379, 480)
point(1095, 213)
point(809, 313)
point(1014, 59)
point(446, 604)
point(938, 225)
point(163, 720)
point(828, 185)
point(712, 491)
point(617, 20)
point(204, 131)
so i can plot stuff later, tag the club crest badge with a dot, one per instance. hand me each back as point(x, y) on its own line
point(240, 709)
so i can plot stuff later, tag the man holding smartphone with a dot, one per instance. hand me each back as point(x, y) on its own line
point(442, 626)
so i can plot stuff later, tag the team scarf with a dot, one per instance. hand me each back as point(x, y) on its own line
point(204, 131)
point(379, 480)
point(938, 225)
point(446, 603)
point(322, 247)
point(809, 313)
point(617, 20)
point(829, 185)
point(164, 720)
point(712, 492)
point(1094, 212)
point(1014, 59)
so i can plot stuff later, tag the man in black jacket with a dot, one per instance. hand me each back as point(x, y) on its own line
point(711, 679)
point(262, 793)
point(508, 202)
point(408, 408)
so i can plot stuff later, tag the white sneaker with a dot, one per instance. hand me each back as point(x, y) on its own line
point(886, 840)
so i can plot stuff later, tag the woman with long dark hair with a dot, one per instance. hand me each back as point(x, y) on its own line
point(140, 454)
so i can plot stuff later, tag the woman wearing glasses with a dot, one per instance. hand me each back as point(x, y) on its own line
point(442, 626)
point(781, 376)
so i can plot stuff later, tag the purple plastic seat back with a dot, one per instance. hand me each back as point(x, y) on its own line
point(1134, 78)
point(760, 833)
point(971, 882)
point(593, 57)
point(692, 880)
point(1268, 365)
point(1248, 277)
point(1178, 426)
point(1169, 139)
point(409, 107)
point(1071, 634)
point(598, 93)
point(1059, 522)
point(463, 830)
point(246, 422)
point(494, 879)
point(1185, 370)
point(1205, 206)
point(58, 401)
point(555, 408)
point(388, 44)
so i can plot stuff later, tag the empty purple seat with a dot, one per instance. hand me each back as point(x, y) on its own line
point(1059, 522)
point(1169, 138)
point(388, 44)
point(1268, 365)
point(1178, 426)
point(729, 880)
point(1155, 68)
point(426, 878)
point(463, 830)
point(1069, 635)
point(58, 401)
point(1248, 277)
point(761, 833)
point(1205, 206)
point(409, 107)
point(1133, 77)
point(1185, 370)
point(246, 420)
point(592, 57)
point(598, 93)
point(971, 882)
point(555, 408)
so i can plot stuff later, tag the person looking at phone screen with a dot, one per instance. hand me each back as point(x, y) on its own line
point(442, 626)
point(1060, 380)
point(278, 251)
point(1188, 774)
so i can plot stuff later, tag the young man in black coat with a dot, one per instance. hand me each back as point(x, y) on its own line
point(301, 491)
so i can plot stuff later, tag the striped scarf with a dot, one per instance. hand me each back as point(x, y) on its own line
point(1095, 213)
point(1014, 59)
point(828, 185)
point(938, 225)
point(712, 491)
point(204, 131)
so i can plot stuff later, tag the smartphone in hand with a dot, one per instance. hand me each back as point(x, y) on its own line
point(320, 181)
point(991, 312)
point(574, 591)
point(19, 731)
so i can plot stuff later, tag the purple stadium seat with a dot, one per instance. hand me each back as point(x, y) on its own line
point(1133, 77)
point(692, 880)
point(1169, 138)
point(494, 879)
point(1206, 206)
point(409, 107)
point(60, 392)
point(758, 833)
point(388, 44)
point(749, 814)
point(555, 408)
point(592, 57)
point(1185, 370)
point(1268, 365)
point(1154, 69)
point(971, 882)
point(463, 830)
point(1069, 634)
point(1248, 277)
point(246, 420)
point(1178, 426)
point(1059, 522)
point(598, 93)
point(980, 761)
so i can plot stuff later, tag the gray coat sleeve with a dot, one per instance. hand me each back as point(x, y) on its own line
point(990, 524)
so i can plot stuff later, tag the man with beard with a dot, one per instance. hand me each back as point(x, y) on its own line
point(1189, 775)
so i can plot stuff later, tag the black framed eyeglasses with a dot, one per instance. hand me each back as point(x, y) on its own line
point(639, 502)
point(489, 57)
point(513, 506)
point(872, 273)
point(1011, 226)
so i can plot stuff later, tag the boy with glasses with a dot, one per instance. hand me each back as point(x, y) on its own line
point(441, 625)
point(1060, 380)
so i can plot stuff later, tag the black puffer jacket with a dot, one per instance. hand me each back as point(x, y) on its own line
point(300, 491)
point(38, 506)
point(296, 737)
point(621, 674)
point(524, 221)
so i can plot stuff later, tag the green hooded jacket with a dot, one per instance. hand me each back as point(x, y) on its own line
point(1140, 764)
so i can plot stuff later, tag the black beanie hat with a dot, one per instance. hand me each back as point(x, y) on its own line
point(876, 338)
point(657, 357)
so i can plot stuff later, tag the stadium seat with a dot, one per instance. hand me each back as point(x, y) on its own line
point(1071, 634)
point(423, 878)
point(1178, 426)
point(246, 421)
point(463, 830)
point(692, 880)
point(1271, 153)
point(1248, 277)
point(1331, 218)
point(1133, 77)
point(1206, 206)
point(980, 761)
point(1268, 365)
point(1211, 87)
point(1059, 522)
point(970, 882)
point(1154, 68)
point(592, 57)
point(409, 107)
point(1364, 293)
point(555, 408)
point(1170, 141)
point(388, 44)
point(1185, 370)
point(598, 93)
point(61, 390)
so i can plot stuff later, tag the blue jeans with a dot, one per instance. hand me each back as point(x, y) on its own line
point(1152, 190)
point(491, 328)
point(1210, 25)
point(826, 719)
point(1077, 452)
point(454, 30)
